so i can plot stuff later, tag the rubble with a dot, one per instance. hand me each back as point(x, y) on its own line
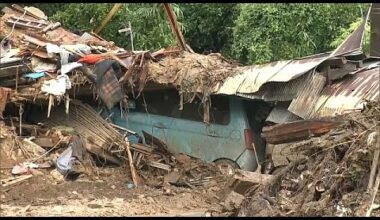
point(331, 179)
point(42, 63)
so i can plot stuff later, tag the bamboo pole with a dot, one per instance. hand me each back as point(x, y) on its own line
point(109, 16)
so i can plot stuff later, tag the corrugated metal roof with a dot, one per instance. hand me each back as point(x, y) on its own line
point(348, 94)
point(253, 77)
point(279, 91)
point(303, 104)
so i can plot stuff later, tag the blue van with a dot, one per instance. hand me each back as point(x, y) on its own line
point(228, 139)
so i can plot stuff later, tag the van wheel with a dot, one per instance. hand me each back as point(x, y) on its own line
point(226, 166)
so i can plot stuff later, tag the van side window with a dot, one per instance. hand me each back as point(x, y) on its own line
point(158, 102)
point(192, 111)
point(166, 103)
point(220, 110)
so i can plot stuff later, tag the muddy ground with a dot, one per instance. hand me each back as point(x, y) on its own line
point(108, 193)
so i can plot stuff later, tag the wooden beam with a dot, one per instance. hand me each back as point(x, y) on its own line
point(113, 11)
point(174, 25)
point(298, 130)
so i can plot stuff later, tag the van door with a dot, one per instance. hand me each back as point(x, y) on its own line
point(152, 114)
point(206, 141)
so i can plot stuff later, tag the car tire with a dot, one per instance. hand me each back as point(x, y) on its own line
point(226, 166)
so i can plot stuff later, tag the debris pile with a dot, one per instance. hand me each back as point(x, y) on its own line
point(42, 61)
point(334, 174)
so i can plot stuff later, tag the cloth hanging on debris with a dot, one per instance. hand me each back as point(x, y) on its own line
point(66, 68)
point(80, 49)
point(64, 54)
point(57, 86)
point(75, 151)
point(109, 89)
point(91, 58)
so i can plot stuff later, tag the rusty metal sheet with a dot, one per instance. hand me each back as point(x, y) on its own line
point(303, 104)
point(348, 94)
point(375, 30)
point(254, 77)
point(298, 130)
point(353, 42)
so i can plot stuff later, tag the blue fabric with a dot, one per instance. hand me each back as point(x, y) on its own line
point(35, 75)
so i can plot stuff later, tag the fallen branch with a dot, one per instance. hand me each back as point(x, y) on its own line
point(132, 167)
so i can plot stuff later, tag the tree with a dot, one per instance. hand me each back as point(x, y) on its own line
point(209, 26)
point(269, 32)
point(150, 26)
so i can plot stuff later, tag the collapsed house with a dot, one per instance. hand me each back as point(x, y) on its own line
point(46, 64)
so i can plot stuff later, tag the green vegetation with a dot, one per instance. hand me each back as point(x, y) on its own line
point(249, 33)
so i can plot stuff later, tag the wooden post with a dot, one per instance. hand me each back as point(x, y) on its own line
point(174, 25)
point(113, 11)
point(130, 27)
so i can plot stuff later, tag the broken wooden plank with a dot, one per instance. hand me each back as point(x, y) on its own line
point(32, 147)
point(298, 130)
point(253, 177)
point(45, 141)
point(159, 165)
point(103, 154)
point(12, 70)
point(34, 40)
point(142, 148)
point(13, 181)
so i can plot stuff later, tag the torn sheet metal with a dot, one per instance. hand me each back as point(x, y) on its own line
point(303, 105)
point(278, 91)
point(253, 77)
point(348, 94)
point(280, 115)
point(353, 42)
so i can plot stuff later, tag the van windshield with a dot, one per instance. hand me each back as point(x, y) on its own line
point(167, 103)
